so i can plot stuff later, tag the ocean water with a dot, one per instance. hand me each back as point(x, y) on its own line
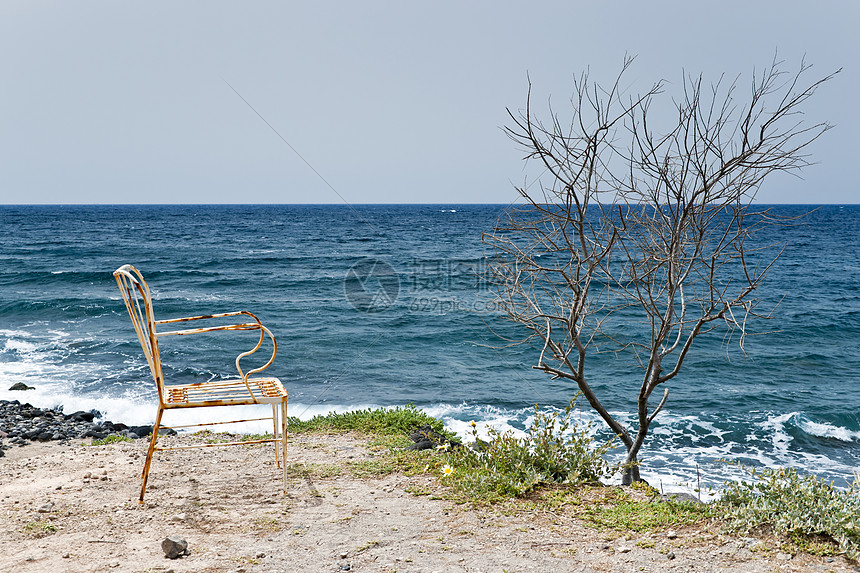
point(379, 306)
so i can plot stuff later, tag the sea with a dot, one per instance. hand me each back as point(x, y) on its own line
point(383, 306)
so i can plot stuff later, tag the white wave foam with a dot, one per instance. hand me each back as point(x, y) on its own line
point(128, 410)
point(825, 430)
point(776, 424)
point(781, 438)
point(19, 346)
point(458, 419)
point(14, 333)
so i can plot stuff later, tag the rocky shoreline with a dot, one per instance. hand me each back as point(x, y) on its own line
point(21, 424)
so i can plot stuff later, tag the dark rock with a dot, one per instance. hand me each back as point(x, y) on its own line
point(426, 438)
point(81, 416)
point(680, 496)
point(174, 547)
point(422, 445)
point(141, 431)
point(144, 431)
point(22, 422)
point(21, 386)
point(479, 445)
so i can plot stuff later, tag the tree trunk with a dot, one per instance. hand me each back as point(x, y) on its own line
point(630, 471)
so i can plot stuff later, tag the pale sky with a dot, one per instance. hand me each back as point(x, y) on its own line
point(391, 102)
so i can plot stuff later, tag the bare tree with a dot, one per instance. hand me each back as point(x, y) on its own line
point(636, 240)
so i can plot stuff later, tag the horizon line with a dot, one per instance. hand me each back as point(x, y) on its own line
point(326, 204)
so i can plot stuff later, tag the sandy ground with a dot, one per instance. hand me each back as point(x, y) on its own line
point(74, 508)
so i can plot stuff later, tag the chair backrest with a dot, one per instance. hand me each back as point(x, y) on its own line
point(135, 294)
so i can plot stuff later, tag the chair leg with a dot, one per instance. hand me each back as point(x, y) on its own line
point(275, 432)
point(145, 474)
point(284, 440)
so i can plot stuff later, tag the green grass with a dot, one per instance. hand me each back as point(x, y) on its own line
point(616, 510)
point(112, 439)
point(407, 462)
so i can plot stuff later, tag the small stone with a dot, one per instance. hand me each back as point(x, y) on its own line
point(783, 556)
point(179, 517)
point(623, 549)
point(671, 534)
point(174, 547)
point(345, 567)
point(343, 555)
point(66, 555)
point(670, 555)
point(46, 508)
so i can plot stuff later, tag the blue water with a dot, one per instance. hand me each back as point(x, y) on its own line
point(794, 400)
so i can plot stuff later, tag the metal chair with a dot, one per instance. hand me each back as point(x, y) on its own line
point(244, 390)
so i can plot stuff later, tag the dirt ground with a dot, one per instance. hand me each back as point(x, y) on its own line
point(74, 508)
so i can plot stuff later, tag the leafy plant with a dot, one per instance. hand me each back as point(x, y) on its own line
point(554, 450)
point(40, 528)
point(800, 506)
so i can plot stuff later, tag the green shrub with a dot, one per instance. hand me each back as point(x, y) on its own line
point(553, 450)
point(796, 505)
point(386, 421)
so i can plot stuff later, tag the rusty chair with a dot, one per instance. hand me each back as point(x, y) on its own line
point(244, 390)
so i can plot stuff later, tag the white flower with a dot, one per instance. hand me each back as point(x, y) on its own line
point(447, 470)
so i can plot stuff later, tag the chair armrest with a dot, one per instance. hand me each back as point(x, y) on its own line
point(256, 325)
point(204, 317)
